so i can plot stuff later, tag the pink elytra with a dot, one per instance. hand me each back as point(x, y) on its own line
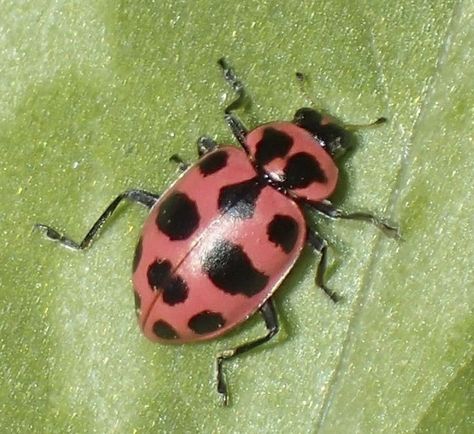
point(220, 271)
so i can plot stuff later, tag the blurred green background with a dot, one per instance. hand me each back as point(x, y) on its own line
point(96, 95)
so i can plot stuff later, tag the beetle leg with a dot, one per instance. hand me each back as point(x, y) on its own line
point(238, 129)
point(271, 322)
point(328, 209)
point(140, 196)
point(182, 165)
point(205, 145)
point(236, 84)
point(321, 246)
point(235, 124)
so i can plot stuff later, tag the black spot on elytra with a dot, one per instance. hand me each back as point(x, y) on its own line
point(231, 270)
point(273, 144)
point(175, 291)
point(158, 273)
point(213, 163)
point(283, 231)
point(164, 331)
point(239, 200)
point(301, 170)
point(160, 278)
point(178, 216)
point(206, 322)
point(138, 302)
point(138, 255)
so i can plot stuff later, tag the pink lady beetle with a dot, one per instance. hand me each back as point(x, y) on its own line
point(221, 239)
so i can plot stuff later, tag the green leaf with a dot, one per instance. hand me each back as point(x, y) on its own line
point(96, 95)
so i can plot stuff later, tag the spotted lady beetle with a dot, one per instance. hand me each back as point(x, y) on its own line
point(218, 243)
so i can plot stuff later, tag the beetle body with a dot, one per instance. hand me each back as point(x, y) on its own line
point(218, 243)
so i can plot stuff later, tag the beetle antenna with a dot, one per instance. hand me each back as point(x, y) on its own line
point(303, 83)
point(355, 127)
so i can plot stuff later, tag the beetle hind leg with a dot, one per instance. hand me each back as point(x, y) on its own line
point(271, 322)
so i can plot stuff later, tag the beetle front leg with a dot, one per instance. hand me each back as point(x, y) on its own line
point(139, 196)
point(271, 322)
point(231, 77)
point(327, 208)
point(233, 121)
point(321, 246)
point(238, 129)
